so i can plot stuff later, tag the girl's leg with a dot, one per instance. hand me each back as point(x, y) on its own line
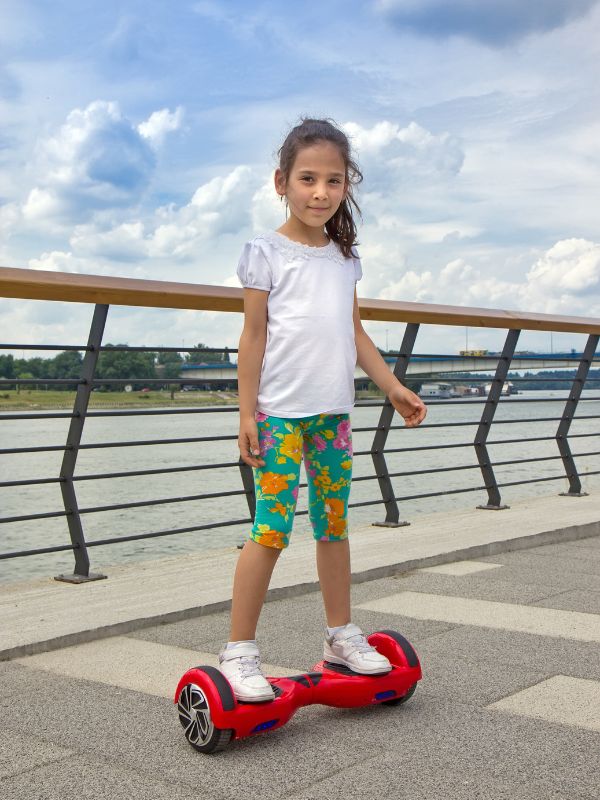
point(329, 465)
point(328, 460)
point(333, 567)
point(276, 489)
point(252, 576)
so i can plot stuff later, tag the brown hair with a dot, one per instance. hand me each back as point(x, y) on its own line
point(341, 227)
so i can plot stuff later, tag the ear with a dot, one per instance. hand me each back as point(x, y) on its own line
point(279, 181)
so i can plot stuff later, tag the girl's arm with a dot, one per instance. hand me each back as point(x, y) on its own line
point(250, 357)
point(408, 404)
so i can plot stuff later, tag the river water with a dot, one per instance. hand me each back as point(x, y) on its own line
point(224, 424)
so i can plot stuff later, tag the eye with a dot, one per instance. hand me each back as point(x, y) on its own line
point(306, 178)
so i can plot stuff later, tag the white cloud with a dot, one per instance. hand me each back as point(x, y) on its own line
point(60, 261)
point(10, 215)
point(416, 287)
point(564, 280)
point(97, 160)
point(571, 267)
point(267, 208)
point(42, 204)
point(159, 124)
point(126, 242)
point(218, 207)
point(390, 154)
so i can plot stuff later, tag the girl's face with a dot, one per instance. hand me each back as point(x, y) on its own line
point(316, 185)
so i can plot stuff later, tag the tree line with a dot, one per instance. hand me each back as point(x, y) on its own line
point(112, 364)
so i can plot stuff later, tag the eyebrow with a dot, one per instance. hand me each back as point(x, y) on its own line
point(332, 174)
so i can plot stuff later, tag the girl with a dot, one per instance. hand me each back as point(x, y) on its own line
point(301, 340)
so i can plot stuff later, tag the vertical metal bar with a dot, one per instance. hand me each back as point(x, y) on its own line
point(567, 418)
point(248, 483)
point(81, 572)
point(494, 501)
point(247, 473)
point(392, 515)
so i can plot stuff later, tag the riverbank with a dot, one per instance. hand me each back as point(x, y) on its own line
point(38, 400)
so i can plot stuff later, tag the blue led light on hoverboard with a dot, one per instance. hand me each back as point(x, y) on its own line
point(264, 726)
point(385, 695)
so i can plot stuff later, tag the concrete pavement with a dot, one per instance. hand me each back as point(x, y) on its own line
point(509, 705)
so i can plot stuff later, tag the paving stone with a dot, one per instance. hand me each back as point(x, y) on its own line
point(533, 619)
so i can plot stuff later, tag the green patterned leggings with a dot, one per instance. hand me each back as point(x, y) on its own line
point(325, 440)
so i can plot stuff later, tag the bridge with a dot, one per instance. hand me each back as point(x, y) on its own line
point(424, 365)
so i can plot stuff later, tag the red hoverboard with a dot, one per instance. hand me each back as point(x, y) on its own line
point(211, 715)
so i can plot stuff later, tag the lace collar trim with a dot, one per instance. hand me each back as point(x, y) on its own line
point(293, 249)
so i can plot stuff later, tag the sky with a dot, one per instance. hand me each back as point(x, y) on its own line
point(139, 139)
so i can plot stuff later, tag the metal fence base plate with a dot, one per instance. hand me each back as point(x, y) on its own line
point(573, 494)
point(390, 524)
point(74, 578)
point(493, 508)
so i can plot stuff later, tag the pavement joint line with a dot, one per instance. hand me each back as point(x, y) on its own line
point(40, 764)
point(328, 776)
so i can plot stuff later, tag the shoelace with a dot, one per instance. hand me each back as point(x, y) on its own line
point(360, 643)
point(250, 665)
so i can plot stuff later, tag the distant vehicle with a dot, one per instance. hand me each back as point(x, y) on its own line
point(507, 388)
point(436, 390)
point(473, 352)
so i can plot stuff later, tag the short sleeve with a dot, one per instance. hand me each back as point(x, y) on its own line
point(254, 270)
point(357, 264)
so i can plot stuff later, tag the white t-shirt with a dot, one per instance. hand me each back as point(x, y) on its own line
point(310, 355)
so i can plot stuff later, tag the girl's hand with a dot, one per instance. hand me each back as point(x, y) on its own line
point(248, 443)
point(409, 405)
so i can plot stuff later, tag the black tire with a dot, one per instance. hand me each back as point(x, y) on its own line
point(196, 720)
point(398, 701)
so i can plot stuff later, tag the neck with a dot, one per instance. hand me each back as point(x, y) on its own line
point(298, 232)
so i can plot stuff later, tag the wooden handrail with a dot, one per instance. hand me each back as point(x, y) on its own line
point(34, 284)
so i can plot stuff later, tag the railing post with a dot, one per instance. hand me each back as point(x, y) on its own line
point(489, 410)
point(392, 515)
point(248, 483)
point(567, 418)
point(81, 572)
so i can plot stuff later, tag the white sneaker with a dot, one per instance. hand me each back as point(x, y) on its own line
point(351, 648)
point(241, 666)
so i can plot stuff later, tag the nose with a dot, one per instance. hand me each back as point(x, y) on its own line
point(320, 191)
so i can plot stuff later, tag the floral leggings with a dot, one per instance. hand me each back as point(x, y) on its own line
point(326, 441)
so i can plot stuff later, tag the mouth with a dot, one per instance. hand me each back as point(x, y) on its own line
point(312, 208)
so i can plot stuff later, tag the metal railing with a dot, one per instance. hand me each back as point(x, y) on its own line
point(99, 291)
